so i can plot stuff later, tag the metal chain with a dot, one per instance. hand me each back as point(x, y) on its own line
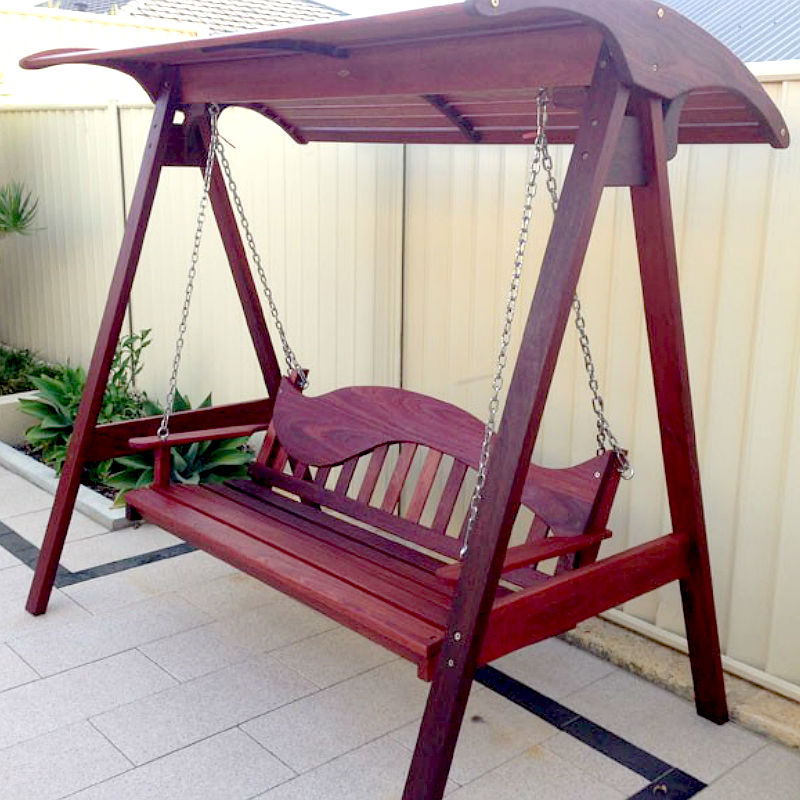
point(163, 429)
point(505, 336)
point(291, 359)
point(605, 436)
point(541, 160)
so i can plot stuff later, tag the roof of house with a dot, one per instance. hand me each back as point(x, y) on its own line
point(220, 16)
point(767, 30)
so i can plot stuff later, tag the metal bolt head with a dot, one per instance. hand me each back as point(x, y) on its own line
point(597, 474)
point(450, 662)
point(495, 3)
point(654, 67)
point(457, 636)
point(584, 155)
point(603, 63)
point(343, 73)
point(660, 13)
point(783, 131)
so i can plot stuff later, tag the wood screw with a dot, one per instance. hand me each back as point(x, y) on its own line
point(450, 662)
point(597, 474)
point(457, 636)
point(584, 155)
point(495, 3)
point(660, 13)
point(654, 67)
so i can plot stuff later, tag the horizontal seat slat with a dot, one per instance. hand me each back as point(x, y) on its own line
point(290, 538)
point(400, 631)
point(410, 563)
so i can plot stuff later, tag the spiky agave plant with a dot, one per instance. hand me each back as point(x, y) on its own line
point(18, 208)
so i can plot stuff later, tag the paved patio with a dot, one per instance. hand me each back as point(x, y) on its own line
point(159, 673)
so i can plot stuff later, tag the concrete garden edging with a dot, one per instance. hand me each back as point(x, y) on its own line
point(89, 502)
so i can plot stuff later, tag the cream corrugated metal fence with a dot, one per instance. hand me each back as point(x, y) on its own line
point(365, 284)
point(736, 213)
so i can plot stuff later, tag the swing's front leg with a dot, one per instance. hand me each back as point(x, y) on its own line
point(544, 331)
point(110, 328)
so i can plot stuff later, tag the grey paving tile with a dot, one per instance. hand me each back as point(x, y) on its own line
point(13, 670)
point(99, 636)
point(18, 496)
point(664, 725)
point(316, 729)
point(604, 769)
point(7, 560)
point(494, 731)
point(376, 771)
point(333, 656)
point(773, 773)
point(228, 766)
point(16, 621)
point(170, 575)
point(230, 594)
point(115, 545)
point(196, 652)
point(553, 667)
point(31, 526)
point(537, 773)
point(233, 639)
point(58, 763)
point(192, 711)
point(51, 703)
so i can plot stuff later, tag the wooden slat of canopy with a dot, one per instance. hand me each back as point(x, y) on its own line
point(458, 73)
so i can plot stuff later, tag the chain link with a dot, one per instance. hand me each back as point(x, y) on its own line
point(163, 429)
point(216, 148)
point(291, 359)
point(542, 160)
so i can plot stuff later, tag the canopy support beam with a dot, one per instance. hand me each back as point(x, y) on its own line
point(595, 146)
point(119, 293)
point(652, 215)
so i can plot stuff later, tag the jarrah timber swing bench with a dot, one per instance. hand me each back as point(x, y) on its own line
point(333, 513)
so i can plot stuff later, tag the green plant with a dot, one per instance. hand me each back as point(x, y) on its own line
point(56, 406)
point(200, 462)
point(18, 208)
point(17, 367)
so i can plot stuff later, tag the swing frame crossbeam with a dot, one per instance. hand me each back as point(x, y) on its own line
point(629, 80)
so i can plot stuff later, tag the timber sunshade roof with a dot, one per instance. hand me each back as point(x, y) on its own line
point(458, 73)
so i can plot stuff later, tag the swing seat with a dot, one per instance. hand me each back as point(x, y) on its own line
point(350, 508)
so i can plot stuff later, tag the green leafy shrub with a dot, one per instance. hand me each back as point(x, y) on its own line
point(18, 208)
point(56, 406)
point(200, 462)
point(17, 367)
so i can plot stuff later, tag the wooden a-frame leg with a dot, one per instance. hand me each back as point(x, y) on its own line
point(659, 270)
point(107, 338)
point(513, 445)
point(242, 276)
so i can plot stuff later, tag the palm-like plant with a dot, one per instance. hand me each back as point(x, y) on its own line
point(17, 208)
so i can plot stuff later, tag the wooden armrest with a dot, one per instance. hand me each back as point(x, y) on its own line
point(524, 554)
point(188, 437)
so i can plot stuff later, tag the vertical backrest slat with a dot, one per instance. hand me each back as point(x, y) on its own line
point(280, 458)
point(449, 496)
point(424, 485)
point(267, 446)
point(321, 477)
point(395, 487)
point(300, 470)
point(538, 530)
point(346, 475)
point(374, 468)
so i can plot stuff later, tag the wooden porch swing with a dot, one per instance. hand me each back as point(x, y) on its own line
point(333, 512)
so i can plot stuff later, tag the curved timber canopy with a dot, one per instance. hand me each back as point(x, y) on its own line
point(458, 73)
